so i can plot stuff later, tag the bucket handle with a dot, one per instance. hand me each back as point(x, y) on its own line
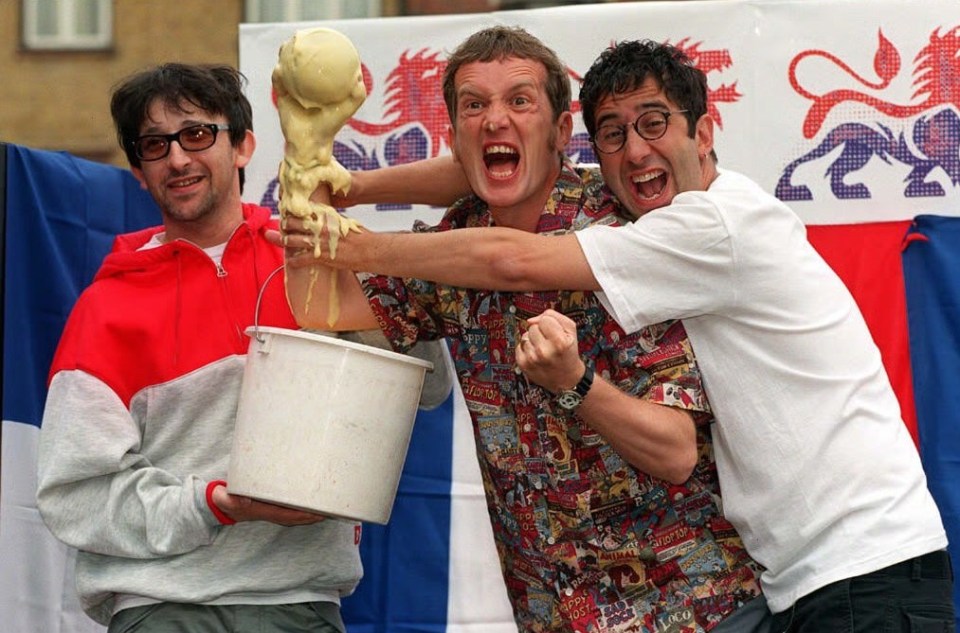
point(256, 310)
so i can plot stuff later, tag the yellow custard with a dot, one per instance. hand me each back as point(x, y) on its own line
point(318, 83)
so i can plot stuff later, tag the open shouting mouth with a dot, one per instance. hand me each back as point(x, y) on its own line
point(501, 160)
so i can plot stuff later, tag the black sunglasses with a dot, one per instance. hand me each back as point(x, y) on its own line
point(194, 138)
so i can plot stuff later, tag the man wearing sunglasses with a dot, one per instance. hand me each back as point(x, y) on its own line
point(144, 388)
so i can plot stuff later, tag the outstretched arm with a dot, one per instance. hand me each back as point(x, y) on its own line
point(436, 181)
point(491, 258)
point(494, 258)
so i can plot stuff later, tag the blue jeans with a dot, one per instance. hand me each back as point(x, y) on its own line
point(914, 596)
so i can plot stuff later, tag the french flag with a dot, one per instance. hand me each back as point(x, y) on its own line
point(433, 568)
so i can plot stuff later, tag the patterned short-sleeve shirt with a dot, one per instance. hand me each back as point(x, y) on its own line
point(586, 542)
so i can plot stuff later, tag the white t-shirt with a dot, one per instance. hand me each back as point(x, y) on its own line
point(215, 252)
point(817, 469)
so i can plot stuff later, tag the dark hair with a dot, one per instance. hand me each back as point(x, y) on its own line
point(626, 65)
point(213, 88)
point(500, 42)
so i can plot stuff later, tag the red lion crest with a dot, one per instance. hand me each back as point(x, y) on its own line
point(710, 61)
point(937, 67)
point(414, 95)
point(414, 92)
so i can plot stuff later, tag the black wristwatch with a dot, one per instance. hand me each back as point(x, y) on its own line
point(570, 399)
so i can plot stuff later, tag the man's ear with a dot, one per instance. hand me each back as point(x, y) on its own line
point(245, 149)
point(564, 130)
point(704, 135)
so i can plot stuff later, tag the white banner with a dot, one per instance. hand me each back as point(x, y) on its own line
point(841, 108)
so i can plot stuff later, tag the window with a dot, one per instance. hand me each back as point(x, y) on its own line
point(67, 24)
point(305, 10)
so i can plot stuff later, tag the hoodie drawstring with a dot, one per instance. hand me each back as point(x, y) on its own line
point(178, 309)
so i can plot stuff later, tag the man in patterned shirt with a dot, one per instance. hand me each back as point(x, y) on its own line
point(605, 517)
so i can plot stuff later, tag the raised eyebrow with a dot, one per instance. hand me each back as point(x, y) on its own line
point(641, 109)
point(652, 105)
point(526, 87)
point(190, 124)
point(468, 93)
point(605, 118)
point(524, 84)
point(154, 130)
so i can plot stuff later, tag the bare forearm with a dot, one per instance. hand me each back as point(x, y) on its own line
point(489, 258)
point(324, 298)
point(435, 181)
point(656, 439)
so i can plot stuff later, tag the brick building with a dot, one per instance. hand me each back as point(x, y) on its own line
point(59, 58)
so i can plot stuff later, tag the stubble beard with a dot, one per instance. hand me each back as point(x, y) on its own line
point(191, 210)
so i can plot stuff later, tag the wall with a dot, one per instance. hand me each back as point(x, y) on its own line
point(60, 100)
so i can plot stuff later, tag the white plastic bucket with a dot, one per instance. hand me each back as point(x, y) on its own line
point(323, 424)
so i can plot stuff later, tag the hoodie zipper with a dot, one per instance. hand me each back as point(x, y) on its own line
point(225, 294)
point(227, 297)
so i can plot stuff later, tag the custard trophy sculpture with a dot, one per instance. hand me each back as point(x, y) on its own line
point(318, 82)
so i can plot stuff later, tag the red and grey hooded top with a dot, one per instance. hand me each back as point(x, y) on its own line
point(139, 419)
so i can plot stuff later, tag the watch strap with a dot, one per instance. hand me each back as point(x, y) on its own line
point(586, 381)
point(570, 399)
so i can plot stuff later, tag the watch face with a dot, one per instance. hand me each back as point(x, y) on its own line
point(569, 400)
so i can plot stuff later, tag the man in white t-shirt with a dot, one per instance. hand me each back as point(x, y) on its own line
point(819, 473)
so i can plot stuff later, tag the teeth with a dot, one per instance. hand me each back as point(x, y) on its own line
point(499, 149)
point(648, 176)
point(186, 183)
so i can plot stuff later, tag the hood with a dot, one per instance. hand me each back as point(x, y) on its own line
point(193, 311)
point(125, 255)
